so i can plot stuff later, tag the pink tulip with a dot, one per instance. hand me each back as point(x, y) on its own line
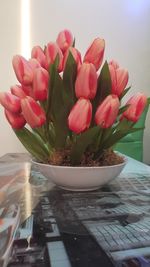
point(64, 40)
point(10, 102)
point(28, 90)
point(95, 53)
point(40, 84)
point(137, 104)
point(114, 64)
point(23, 70)
point(18, 91)
point(119, 79)
point(80, 116)
point(17, 121)
point(34, 63)
point(86, 82)
point(76, 55)
point(32, 112)
point(22, 91)
point(51, 51)
point(38, 53)
point(107, 111)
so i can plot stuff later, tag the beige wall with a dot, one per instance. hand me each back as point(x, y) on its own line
point(123, 24)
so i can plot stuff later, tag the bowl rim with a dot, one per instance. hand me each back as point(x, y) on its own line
point(81, 167)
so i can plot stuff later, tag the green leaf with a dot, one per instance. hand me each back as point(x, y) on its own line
point(107, 133)
point(54, 106)
point(39, 131)
point(111, 133)
point(33, 144)
point(125, 92)
point(43, 104)
point(52, 134)
point(57, 97)
point(124, 125)
point(58, 111)
point(46, 135)
point(69, 77)
point(119, 135)
point(103, 87)
point(83, 141)
point(61, 134)
point(122, 109)
point(73, 45)
point(61, 98)
point(96, 142)
point(52, 72)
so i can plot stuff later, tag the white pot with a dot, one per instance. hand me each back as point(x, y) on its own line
point(80, 178)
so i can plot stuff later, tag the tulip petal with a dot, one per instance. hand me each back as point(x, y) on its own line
point(51, 51)
point(114, 63)
point(64, 40)
point(119, 79)
point(77, 122)
point(17, 121)
point(76, 55)
point(95, 53)
point(86, 82)
point(23, 70)
point(107, 111)
point(17, 91)
point(122, 80)
point(10, 102)
point(32, 112)
point(136, 107)
point(38, 53)
point(40, 84)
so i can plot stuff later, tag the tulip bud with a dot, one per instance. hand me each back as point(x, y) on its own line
point(80, 116)
point(32, 112)
point(119, 80)
point(23, 70)
point(17, 91)
point(17, 121)
point(107, 111)
point(64, 40)
point(95, 53)
point(38, 53)
point(28, 90)
point(86, 82)
point(76, 55)
point(34, 63)
point(10, 102)
point(40, 84)
point(51, 51)
point(136, 107)
point(114, 64)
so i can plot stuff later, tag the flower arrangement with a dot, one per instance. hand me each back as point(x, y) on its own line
point(68, 110)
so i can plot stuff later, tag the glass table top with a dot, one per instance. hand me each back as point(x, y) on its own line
point(42, 225)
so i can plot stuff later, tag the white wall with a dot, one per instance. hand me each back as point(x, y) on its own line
point(10, 44)
point(123, 24)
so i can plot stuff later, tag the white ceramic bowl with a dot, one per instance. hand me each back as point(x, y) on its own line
point(80, 178)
